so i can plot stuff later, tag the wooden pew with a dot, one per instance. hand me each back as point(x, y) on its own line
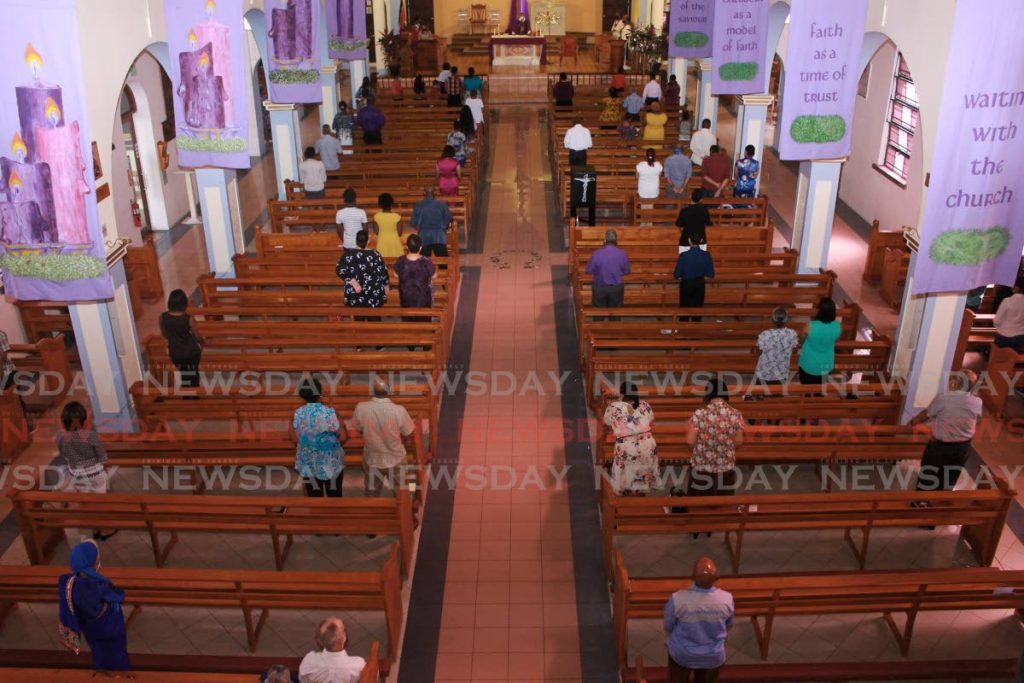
point(664, 241)
point(724, 210)
point(15, 436)
point(254, 592)
point(895, 267)
point(981, 515)
point(44, 516)
point(142, 269)
point(765, 597)
point(878, 242)
point(734, 288)
point(1005, 372)
point(48, 359)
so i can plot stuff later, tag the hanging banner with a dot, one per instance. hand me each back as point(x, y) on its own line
point(293, 37)
point(208, 71)
point(822, 70)
point(973, 228)
point(346, 27)
point(51, 243)
point(739, 47)
point(690, 28)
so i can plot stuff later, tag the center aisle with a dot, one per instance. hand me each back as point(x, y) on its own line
point(510, 607)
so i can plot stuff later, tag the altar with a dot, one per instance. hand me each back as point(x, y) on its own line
point(510, 50)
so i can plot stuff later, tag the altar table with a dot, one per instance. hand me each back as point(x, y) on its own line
point(518, 50)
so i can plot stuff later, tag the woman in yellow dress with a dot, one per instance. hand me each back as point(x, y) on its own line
point(612, 112)
point(654, 123)
point(388, 228)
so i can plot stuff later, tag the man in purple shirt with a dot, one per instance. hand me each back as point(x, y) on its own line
point(371, 120)
point(697, 620)
point(608, 265)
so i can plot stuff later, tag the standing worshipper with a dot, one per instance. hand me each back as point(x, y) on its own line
point(672, 92)
point(697, 621)
point(313, 175)
point(476, 105)
point(388, 225)
point(818, 352)
point(578, 140)
point(747, 171)
point(678, 171)
point(364, 274)
point(431, 218)
point(618, 83)
point(633, 104)
point(1009, 320)
point(648, 176)
point(701, 142)
point(419, 88)
point(457, 141)
point(366, 91)
point(716, 172)
point(449, 172)
point(319, 437)
point(684, 128)
point(693, 221)
point(371, 120)
point(472, 82)
point(654, 124)
point(775, 347)
point(344, 123)
point(443, 76)
point(652, 91)
point(611, 113)
point(454, 88)
point(329, 149)
point(184, 345)
point(563, 91)
point(415, 275)
point(384, 426)
point(350, 219)
point(608, 265)
point(90, 606)
point(693, 267)
point(466, 122)
point(84, 455)
point(635, 463)
point(953, 415)
point(714, 432)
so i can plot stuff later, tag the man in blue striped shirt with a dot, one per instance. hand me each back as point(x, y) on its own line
point(697, 620)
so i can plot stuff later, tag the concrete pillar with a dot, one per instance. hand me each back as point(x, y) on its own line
point(707, 104)
point(216, 187)
point(329, 93)
point(104, 372)
point(751, 122)
point(816, 192)
point(127, 337)
point(358, 70)
point(677, 68)
point(284, 130)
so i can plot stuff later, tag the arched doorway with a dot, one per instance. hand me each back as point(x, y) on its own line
point(128, 108)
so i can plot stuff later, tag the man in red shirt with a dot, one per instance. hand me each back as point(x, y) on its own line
point(716, 172)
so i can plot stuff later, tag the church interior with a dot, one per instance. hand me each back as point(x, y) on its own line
point(516, 537)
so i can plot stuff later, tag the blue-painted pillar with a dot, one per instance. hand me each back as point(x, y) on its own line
point(707, 104)
point(358, 70)
point(328, 77)
point(284, 131)
point(223, 235)
point(751, 123)
point(816, 192)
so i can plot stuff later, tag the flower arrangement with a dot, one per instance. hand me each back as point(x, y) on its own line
point(645, 41)
point(391, 44)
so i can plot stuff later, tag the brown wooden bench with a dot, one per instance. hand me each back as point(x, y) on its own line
point(764, 598)
point(15, 436)
point(738, 211)
point(878, 242)
point(981, 515)
point(895, 267)
point(648, 242)
point(44, 516)
point(48, 361)
point(726, 289)
point(255, 593)
point(142, 270)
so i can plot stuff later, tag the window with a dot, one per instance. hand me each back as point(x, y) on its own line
point(902, 122)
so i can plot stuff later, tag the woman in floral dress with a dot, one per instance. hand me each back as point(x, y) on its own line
point(635, 465)
point(318, 435)
point(716, 429)
point(364, 274)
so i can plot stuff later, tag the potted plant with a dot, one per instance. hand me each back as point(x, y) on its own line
point(391, 44)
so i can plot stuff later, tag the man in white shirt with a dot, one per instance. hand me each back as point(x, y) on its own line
point(1009, 320)
point(476, 105)
point(578, 141)
point(328, 147)
point(652, 91)
point(350, 219)
point(313, 175)
point(383, 424)
point(701, 143)
point(953, 416)
point(330, 664)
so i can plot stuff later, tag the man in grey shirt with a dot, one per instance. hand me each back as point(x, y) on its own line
point(328, 148)
point(953, 416)
point(678, 169)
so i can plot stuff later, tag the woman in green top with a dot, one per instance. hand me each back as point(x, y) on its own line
point(818, 353)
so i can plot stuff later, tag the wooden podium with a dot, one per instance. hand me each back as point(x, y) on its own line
point(425, 55)
point(616, 54)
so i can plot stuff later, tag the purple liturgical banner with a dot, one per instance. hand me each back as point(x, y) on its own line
point(690, 31)
point(822, 70)
point(973, 228)
point(346, 29)
point(207, 45)
point(51, 243)
point(739, 47)
point(293, 36)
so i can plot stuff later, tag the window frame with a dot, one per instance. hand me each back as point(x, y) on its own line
point(895, 126)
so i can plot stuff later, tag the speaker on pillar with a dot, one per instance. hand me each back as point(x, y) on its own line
point(583, 193)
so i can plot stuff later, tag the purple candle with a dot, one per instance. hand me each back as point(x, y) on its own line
point(346, 23)
point(32, 183)
point(219, 36)
point(303, 28)
point(38, 105)
point(282, 32)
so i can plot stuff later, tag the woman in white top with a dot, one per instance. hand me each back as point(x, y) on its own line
point(648, 176)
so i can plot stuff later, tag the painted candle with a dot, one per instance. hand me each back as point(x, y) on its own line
point(61, 148)
point(203, 91)
point(282, 32)
point(32, 183)
point(219, 36)
point(34, 100)
point(22, 223)
point(346, 22)
point(303, 28)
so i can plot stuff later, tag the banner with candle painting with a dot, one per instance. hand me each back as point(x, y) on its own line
point(822, 71)
point(739, 47)
point(346, 29)
point(208, 71)
point(973, 228)
point(51, 243)
point(293, 31)
point(690, 31)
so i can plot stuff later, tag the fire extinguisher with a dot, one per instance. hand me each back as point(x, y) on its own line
point(136, 214)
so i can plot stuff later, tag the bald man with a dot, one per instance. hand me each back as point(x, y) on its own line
point(385, 426)
point(697, 620)
point(330, 663)
point(953, 416)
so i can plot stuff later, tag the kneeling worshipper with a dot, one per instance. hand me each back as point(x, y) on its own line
point(90, 606)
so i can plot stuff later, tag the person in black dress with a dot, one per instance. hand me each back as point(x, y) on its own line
point(183, 344)
point(364, 274)
point(415, 274)
point(694, 220)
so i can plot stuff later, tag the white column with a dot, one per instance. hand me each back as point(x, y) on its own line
point(751, 122)
point(193, 216)
point(284, 130)
point(329, 93)
point(816, 192)
point(126, 336)
point(102, 368)
point(218, 219)
point(707, 104)
point(358, 70)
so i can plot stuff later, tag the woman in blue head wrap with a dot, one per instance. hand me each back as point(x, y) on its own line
point(90, 606)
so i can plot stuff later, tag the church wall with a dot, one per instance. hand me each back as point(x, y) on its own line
point(580, 15)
